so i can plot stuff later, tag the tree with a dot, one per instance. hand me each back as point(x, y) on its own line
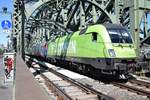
point(1, 51)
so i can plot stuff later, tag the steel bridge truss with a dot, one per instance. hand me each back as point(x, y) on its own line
point(50, 18)
point(59, 17)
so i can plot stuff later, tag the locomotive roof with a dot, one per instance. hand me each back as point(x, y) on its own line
point(113, 26)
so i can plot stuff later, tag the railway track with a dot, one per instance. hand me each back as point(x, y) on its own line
point(96, 89)
point(141, 83)
point(66, 88)
point(136, 86)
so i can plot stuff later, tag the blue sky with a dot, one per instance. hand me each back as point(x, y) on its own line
point(9, 5)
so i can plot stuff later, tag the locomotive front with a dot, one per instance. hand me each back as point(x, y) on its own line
point(120, 52)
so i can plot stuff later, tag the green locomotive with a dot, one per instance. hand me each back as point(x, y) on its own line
point(107, 48)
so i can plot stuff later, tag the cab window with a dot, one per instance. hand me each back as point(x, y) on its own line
point(119, 36)
point(94, 37)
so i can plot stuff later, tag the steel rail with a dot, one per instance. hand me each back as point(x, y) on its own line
point(133, 89)
point(59, 93)
point(139, 82)
point(53, 87)
point(86, 88)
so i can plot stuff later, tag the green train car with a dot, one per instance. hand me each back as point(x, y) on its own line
point(108, 48)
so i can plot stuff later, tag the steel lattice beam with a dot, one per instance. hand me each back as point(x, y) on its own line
point(67, 16)
point(45, 19)
point(133, 12)
point(17, 20)
point(18, 25)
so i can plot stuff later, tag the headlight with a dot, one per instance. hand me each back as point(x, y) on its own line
point(111, 52)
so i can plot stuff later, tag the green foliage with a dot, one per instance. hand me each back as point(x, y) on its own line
point(1, 51)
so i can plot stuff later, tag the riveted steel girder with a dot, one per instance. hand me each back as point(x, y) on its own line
point(17, 22)
point(66, 16)
point(48, 18)
point(18, 25)
point(133, 13)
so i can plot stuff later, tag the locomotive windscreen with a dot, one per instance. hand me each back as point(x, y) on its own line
point(119, 36)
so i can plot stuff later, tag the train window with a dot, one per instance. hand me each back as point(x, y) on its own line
point(94, 37)
point(126, 36)
point(119, 36)
point(115, 38)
